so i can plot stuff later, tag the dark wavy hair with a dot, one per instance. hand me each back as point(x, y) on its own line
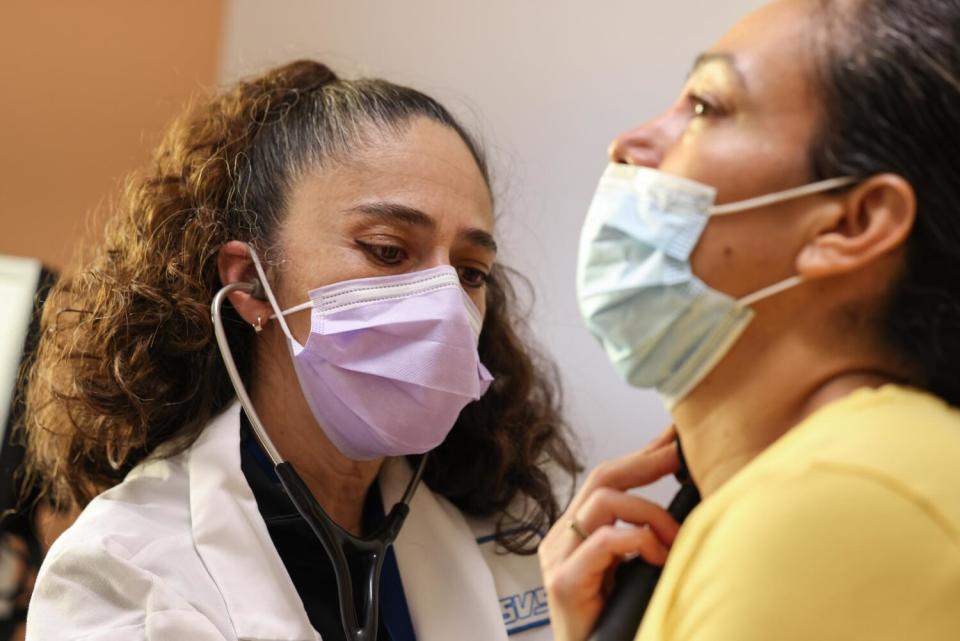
point(889, 75)
point(127, 366)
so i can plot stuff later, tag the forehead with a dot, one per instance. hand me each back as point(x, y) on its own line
point(426, 166)
point(773, 52)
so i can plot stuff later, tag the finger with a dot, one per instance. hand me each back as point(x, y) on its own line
point(609, 579)
point(665, 438)
point(637, 469)
point(630, 471)
point(585, 572)
point(589, 563)
point(606, 506)
point(559, 542)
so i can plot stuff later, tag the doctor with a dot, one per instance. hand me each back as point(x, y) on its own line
point(352, 225)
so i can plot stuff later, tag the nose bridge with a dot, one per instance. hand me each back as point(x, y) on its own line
point(437, 257)
point(646, 144)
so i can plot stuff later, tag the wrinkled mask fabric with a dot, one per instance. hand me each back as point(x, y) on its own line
point(661, 326)
point(390, 361)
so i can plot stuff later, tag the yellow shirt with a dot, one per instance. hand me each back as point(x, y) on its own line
point(848, 528)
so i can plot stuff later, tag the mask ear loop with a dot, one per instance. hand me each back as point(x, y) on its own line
point(781, 196)
point(772, 290)
point(265, 287)
point(772, 199)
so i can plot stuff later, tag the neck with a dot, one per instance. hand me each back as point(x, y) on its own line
point(755, 396)
point(339, 484)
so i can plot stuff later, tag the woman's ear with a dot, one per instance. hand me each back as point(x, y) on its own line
point(236, 266)
point(875, 218)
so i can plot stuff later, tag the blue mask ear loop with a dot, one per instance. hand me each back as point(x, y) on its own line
point(337, 543)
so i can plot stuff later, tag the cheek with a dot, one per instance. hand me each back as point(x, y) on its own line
point(716, 255)
point(743, 253)
point(318, 255)
point(304, 261)
point(740, 160)
point(286, 281)
point(479, 298)
point(721, 161)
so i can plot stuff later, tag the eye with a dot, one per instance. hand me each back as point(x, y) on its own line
point(391, 255)
point(472, 277)
point(702, 107)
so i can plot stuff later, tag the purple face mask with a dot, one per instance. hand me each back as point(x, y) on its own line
point(390, 361)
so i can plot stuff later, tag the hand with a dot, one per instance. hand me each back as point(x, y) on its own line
point(578, 560)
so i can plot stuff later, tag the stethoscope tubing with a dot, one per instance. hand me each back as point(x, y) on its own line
point(335, 540)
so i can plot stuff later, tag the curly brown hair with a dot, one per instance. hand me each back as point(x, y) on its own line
point(127, 366)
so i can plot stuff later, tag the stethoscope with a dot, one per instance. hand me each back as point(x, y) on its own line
point(368, 552)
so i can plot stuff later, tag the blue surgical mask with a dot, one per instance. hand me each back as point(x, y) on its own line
point(660, 325)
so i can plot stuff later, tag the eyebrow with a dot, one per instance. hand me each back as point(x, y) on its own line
point(726, 59)
point(480, 238)
point(396, 213)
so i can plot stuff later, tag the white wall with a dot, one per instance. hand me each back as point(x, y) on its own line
point(546, 84)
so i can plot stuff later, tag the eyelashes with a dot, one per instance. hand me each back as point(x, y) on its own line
point(389, 255)
point(719, 103)
point(472, 277)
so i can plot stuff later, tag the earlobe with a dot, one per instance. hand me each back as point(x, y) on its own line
point(876, 218)
point(235, 266)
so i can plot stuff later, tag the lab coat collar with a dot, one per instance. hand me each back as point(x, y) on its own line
point(449, 587)
point(232, 540)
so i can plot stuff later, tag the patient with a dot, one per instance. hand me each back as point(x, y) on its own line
point(806, 343)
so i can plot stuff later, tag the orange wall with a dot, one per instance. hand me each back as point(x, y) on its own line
point(85, 90)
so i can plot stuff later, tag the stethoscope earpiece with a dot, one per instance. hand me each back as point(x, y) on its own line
point(257, 290)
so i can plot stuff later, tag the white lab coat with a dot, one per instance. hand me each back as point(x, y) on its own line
point(178, 551)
